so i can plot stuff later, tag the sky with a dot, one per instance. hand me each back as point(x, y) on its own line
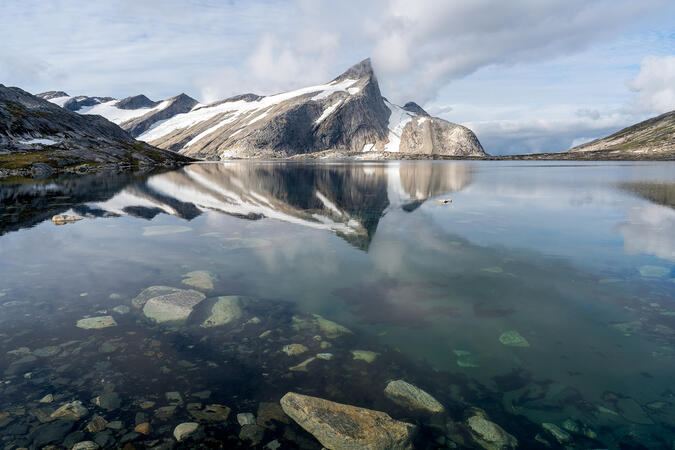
point(525, 75)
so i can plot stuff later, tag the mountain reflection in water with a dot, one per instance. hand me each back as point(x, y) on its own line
point(348, 200)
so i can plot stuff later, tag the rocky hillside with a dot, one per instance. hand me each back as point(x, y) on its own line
point(38, 137)
point(653, 138)
point(134, 114)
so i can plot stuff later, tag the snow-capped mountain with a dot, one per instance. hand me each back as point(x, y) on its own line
point(348, 114)
point(133, 114)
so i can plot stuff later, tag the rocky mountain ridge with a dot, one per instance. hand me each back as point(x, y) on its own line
point(38, 137)
point(348, 114)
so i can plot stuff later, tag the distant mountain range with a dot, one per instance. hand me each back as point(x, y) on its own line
point(38, 137)
point(348, 115)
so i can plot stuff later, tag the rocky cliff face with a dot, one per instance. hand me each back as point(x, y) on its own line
point(347, 114)
point(653, 138)
point(37, 136)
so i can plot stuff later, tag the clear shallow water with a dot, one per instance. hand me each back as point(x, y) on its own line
point(578, 259)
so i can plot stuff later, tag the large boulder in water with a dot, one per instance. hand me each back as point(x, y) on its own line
point(338, 426)
point(412, 397)
point(173, 306)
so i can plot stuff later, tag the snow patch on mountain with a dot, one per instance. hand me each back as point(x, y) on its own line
point(110, 111)
point(39, 141)
point(60, 100)
point(398, 119)
point(328, 111)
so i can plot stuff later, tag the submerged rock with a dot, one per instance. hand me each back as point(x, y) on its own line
point(96, 424)
point(339, 426)
point(108, 401)
point(121, 309)
point(364, 355)
point(245, 419)
point(46, 352)
point(85, 445)
point(327, 327)
point(632, 411)
point(143, 428)
point(302, 367)
point(252, 433)
point(512, 338)
point(184, 430)
point(165, 412)
point(412, 397)
point(225, 310)
point(294, 349)
point(95, 323)
point(50, 433)
point(200, 279)
point(70, 411)
point(489, 435)
point(331, 329)
point(269, 413)
point(151, 292)
point(211, 413)
point(172, 307)
point(558, 433)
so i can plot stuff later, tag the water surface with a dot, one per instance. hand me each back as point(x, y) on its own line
point(543, 293)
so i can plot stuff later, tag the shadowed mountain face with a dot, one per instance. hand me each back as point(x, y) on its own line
point(348, 200)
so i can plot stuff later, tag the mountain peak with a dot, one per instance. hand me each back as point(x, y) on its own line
point(135, 102)
point(415, 108)
point(51, 94)
point(360, 70)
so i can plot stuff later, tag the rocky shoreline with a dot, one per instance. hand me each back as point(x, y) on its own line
point(561, 156)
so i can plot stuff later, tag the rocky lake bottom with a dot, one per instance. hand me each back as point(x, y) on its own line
point(296, 305)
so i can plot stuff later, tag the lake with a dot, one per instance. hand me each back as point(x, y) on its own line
point(542, 293)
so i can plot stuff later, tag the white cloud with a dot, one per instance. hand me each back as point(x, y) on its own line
point(655, 85)
point(423, 45)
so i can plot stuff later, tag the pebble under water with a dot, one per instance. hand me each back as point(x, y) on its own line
point(535, 310)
